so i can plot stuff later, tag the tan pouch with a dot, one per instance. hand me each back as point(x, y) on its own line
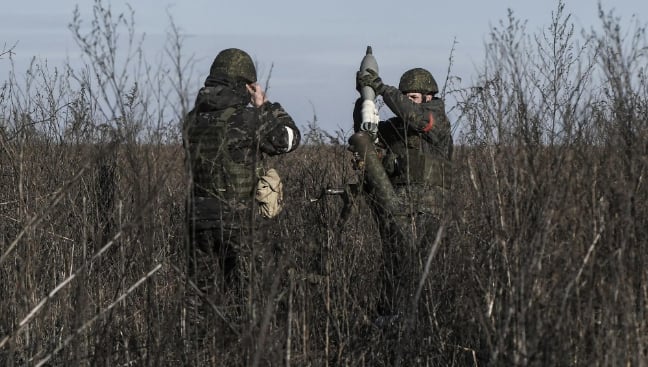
point(269, 194)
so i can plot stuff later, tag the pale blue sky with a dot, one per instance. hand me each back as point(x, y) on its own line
point(316, 47)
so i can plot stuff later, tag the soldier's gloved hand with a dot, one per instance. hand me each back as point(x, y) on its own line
point(369, 78)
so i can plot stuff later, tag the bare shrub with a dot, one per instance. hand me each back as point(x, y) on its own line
point(544, 261)
point(554, 179)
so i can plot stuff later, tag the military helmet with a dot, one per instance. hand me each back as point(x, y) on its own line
point(234, 63)
point(418, 80)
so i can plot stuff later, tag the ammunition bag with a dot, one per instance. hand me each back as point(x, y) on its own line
point(269, 194)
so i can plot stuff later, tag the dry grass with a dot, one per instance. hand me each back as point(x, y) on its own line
point(545, 261)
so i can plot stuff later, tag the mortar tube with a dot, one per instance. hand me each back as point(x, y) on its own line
point(361, 143)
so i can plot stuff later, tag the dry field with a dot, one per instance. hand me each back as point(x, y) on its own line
point(544, 261)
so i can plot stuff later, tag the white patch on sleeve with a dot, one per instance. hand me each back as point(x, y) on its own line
point(291, 138)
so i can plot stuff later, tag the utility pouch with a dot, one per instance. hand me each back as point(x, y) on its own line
point(269, 194)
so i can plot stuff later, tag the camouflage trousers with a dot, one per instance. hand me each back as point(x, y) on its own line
point(229, 256)
point(407, 237)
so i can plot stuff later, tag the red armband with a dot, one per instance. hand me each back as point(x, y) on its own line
point(429, 125)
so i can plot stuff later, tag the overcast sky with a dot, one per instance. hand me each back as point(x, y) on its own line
point(315, 47)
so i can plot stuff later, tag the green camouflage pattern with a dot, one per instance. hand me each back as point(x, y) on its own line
point(418, 80)
point(215, 173)
point(417, 152)
point(407, 177)
point(226, 142)
point(234, 63)
point(421, 126)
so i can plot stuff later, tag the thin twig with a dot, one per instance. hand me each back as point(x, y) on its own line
point(34, 311)
point(206, 299)
point(92, 320)
point(428, 265)
point(58, 196)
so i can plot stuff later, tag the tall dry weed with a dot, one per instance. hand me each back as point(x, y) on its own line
point(544, 261)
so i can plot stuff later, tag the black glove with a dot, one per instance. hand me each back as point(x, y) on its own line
point(369, 78)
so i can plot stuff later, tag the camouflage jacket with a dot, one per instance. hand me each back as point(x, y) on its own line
point(226, 140)
point(417, 142)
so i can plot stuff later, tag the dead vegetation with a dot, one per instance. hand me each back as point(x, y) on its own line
point(545, 261)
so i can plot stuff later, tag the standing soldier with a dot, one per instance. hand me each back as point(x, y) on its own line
point(226, 135)
point(407, 175)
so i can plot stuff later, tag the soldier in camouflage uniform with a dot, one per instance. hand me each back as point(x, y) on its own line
point(409, 194)
point(226, 135)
